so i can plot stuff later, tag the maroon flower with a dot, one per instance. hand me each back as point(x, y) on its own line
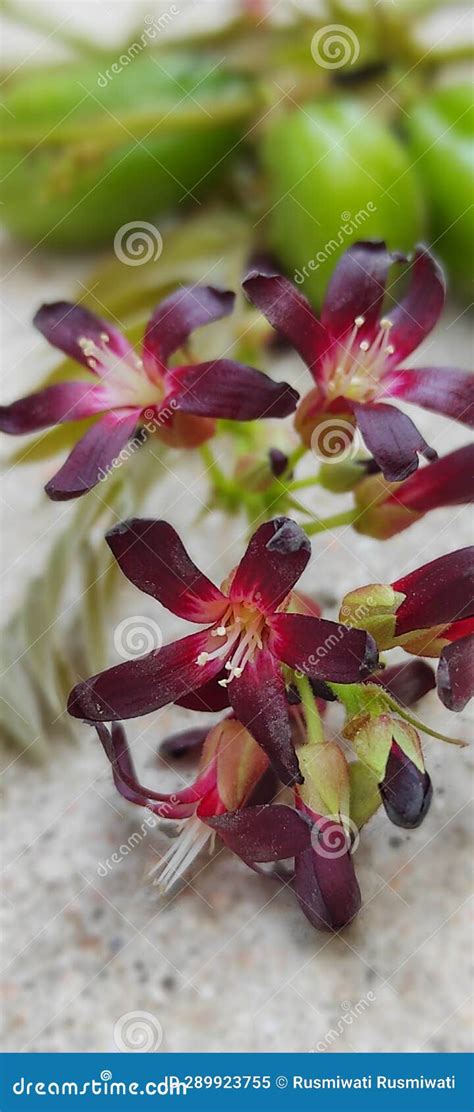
point(177, 403)
point(325, 881)
point(232, 772)
point(250, 636)
point(407, 681)
point(389, 508)
point(232, 767)
point(429, 612)
point(406, 790)
point(354, 352)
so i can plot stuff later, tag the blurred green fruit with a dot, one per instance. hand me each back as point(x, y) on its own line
point(441, 143)
point(335, 174)
point(82, 150)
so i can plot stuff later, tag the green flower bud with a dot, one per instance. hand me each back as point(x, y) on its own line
point(326, 779)
point(440, 134)
point(335, 175)
point(373, 608)
point(85, 152)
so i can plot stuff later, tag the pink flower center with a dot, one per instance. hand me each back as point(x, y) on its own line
point(124, 376)
point(241, 632)
point(355, 371)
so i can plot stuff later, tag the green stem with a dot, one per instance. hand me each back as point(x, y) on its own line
point(294, 458)
point(106, 131)
point(313, 718)
point(212, 467)
point(346, 518)
point(295, 505)
point(301, 484)
point(418, 725)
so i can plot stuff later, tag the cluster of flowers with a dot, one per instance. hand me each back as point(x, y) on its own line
point(270, 784)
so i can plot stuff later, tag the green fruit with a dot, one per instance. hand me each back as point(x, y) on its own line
point(441, 137)
point(81, 153)
point(335, 175)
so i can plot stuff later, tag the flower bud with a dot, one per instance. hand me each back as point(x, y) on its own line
point(325, 881)
point(373, 608)
point(74, 175)
point(342, 477)
point(406, 791)
point(323, 163)
point(390, 750)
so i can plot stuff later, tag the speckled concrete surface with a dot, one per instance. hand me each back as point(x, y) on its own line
point(228, 962)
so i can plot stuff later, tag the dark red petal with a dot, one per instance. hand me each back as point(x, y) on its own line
point(175, 805)
point(265, 790)
point(270, 832)
point(447, 482)
point(93, 455)
point(105, 737)
point(322, 649)
point(455, 630)
point(224, 388)
point(417, 313)
point(444, 390)
point(152, 556)
point(184, 743)
point(64, 325)
point(437, 593)
point(290, 314)
point(209, 696)
point(406, 792)
point(276, 556)
point(325, 882)
point(178, 315)
point(392, 438)
point(309, 894)
point(455, 679)
point(259, 701)
point(65, 401)
point(357, 288)
point(407, 682)
point(140, 686)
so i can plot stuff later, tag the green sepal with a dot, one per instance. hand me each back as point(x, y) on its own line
point(365, 797)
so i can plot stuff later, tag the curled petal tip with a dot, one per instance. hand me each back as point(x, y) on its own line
point(371, 657)
point(289, 537)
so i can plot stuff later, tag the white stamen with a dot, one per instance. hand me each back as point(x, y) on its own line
point(185, 848)
point(125, 374)
point(242, 628)
point(360, 363)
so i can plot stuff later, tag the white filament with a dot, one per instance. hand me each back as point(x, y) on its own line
point(185, 848)
point(242, 633)
point(362, 363)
